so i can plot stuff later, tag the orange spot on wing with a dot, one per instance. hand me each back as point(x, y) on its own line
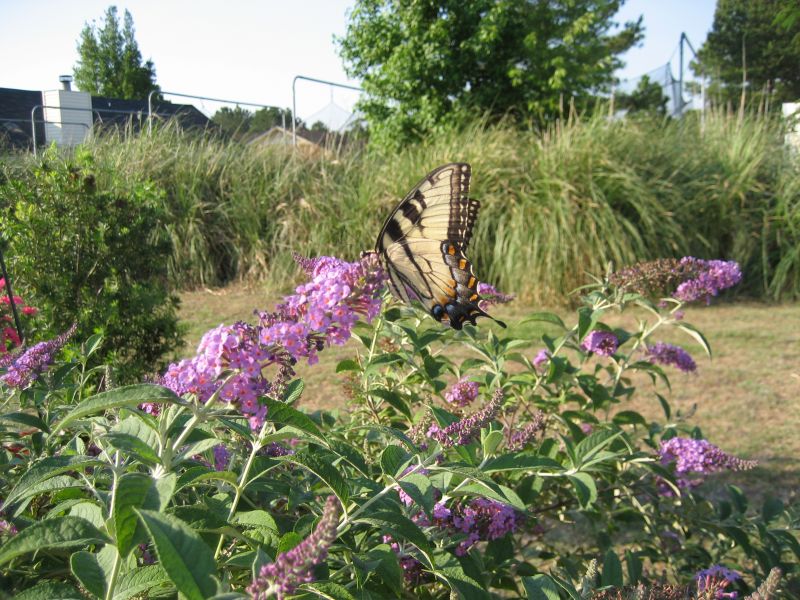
point(473, 297)
point(471, 282)
point(451, 250)
point(462, 264)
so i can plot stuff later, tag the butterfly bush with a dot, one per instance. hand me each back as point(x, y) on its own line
point(23, 368)
point(462, 393)
point(541, 358)
point(698, 457)
point(321, 312)
point(465, 430)
point(9, 337)
point(490, 295)
point(714, 580)
point(602, 343)
point(296, 566)
point(668, 354)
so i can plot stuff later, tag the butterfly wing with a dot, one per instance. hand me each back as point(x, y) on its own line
point(423, 243)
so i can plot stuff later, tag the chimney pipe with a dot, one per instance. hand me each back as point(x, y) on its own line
point(66, 81)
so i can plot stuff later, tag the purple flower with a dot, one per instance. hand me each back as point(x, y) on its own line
point(222, 457)
point(517, 440)
point(699, 457)
point(714, 580)
point(603, 343)
point(483, 519)
point(712, 277)
point(667, 354)
point(7, 528)
point(464, 431)
point(23, 369)
point(541, 357)
point(490, 295)
point(274, 449)
point(296, 566)
point(462, 393)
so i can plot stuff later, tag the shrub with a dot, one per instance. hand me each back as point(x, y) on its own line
point(535, 482)
point(93, 254)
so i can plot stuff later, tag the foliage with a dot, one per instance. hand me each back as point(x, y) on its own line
point(109, 61)
point(238, 121)
point(92, 254)
point(425, 64)
point(138, 491)
point(647, 97)
point(9, 336)
point(755, 41)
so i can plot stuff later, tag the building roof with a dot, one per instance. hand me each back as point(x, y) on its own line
point(117, 110)
point(15, 117)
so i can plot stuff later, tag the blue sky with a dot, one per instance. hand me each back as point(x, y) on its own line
point(250, 50)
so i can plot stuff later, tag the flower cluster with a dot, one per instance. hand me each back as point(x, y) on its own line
point(517, 440)
point(483, 519)
point(413, 570)
point(541, 358)
point(222, 457)
point(464, 431)
point(700, 457)
point(687, 279)
point(294, 567)
point(231, 360)
point(714, 580)
point(7, 528)
point(667, 354)
point(712, 277)
point(490, 295)
point(22, 369)
point(9, 338)
point(603, 343)
point(462, 393)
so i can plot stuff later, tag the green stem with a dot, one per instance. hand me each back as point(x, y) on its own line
point(112, 582)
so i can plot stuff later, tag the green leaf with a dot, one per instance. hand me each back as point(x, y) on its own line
point(130, 396)
point(521, 462)
point(293, 391)
point(585, 488)
point(394, 399)
point(328, 589)
point(461, 583)
point(388, 566)
point(695, 333)
point(94, 570)
point(771, 509)
point(45, 469)
point(50, 590)
point(400, 528)
point(587, 318)
point(52, 534)
point(490, 441)
point(322, 468)
point(545, 317)
point(393, 458)
point(540, 587)
point(347, 364)
point(26, 419)
point(612, 570)
point(278, 412)
point(635, 566)
point(629, 417)
point(137, 490)
point(89, 511)
point(182, 553)
point(289, 540)
point(419, 488)
point(140, 581)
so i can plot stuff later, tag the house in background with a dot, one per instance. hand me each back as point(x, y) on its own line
point(67, 117)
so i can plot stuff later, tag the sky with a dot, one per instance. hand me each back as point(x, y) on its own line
point(250, 50)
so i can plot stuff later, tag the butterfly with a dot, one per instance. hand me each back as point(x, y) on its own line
point(422, 246)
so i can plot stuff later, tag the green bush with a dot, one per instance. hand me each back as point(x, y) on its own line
point(92, 254)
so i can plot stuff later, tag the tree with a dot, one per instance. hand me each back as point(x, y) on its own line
point(233, 121)
point(755, 43)
point(265, 119)
point(110, 63)
point(647, 97)
point(426, 63)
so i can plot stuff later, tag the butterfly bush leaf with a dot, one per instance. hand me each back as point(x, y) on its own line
point(182, 553)
point(692, 331)
point(94, 570)
point(26, 419)
point(50, 590)
point(328, 590)
point(540, 587)
point(322, 468)
point(393, 458)
point(129, 396)
point(278, 412)
point(52, 534)
point(45, 469)
point(137, 490)
point(140, 581)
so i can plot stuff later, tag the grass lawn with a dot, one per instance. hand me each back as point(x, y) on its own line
point(747, 397)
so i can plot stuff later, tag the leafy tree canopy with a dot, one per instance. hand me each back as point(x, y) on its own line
point(110, 63)
point(647, 97)
point(239, 121)
point(423, 63)
point(757, 41)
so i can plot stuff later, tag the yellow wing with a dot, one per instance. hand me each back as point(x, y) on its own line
point(422, 246)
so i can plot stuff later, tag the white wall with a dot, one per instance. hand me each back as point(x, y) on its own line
point(68, 116)
point(791, 111)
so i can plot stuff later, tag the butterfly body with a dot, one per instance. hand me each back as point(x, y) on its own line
point(422, 246)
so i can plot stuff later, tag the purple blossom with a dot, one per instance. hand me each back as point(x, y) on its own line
point(490, 295)
point(222, 457)
point(715, 579)
point(517, 440)
point(541, 358)
point(667, 354)
point(274, 449)
point(600, 342)
point(413, 570)
point(464, 431)
point(712, 277)
point(462, 393)
point(483, 519)
point(296, 566)
point(26, 366)
point(7, 528)
point(699, 457)
point(321, 312)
